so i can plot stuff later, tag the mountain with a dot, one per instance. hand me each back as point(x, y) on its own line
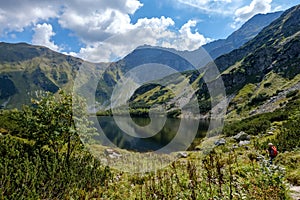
point(260, 76)
point(247, 32)
point(173, 58)
point(27, 70)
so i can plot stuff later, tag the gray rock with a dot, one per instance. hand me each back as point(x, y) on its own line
point(112, 153)
point(242, 136)
point(219, 142)
point(252, 112)
point(182, 155)
point(243, 143)
point(270, 133)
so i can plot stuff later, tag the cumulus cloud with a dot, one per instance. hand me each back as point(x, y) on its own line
point(256, 6)
point(104, 27)
point(154, 31)
point(97, 20)
point(15, 14)
point(42, 36)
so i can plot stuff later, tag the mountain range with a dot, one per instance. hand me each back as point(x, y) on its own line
point(259, 65)
point(247, 32)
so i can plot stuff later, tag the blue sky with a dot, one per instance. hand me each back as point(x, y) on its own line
point(104, 30)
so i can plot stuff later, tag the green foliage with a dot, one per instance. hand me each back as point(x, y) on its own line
point(288, 139)
point(174, 113)
point(267, 84)
point(250, 126)
point(8, 122)
point(47, 159)
point(292, 93)
point(216, 176)
point(33, 166)
point(49, 122)
point(258, 99)
point(28, 175)
point(257, 124)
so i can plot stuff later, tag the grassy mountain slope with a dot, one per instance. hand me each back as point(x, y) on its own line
point(260, 74)
point(163, 56)
point(27, 70)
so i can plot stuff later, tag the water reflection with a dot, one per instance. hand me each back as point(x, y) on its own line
point(154, 142)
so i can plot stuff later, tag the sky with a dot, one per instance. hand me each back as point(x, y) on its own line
point(107, 30)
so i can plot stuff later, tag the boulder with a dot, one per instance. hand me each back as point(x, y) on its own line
point(112, 153)
point(182, 155)
point(241, 136)
point(219, 142)
point(270, 133)
point(243, 143)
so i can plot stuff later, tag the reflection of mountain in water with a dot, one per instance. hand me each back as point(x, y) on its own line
point(159, 140)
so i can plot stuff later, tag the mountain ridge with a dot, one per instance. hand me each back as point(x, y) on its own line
point(238, 38)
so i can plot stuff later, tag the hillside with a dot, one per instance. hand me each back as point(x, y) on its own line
point(27, 70)
point(260, 74)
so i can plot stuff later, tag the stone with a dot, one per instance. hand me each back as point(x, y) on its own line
point(108, 151)
point(270, 133)
point(243, 143)
point(182, 155)
point(219, 142)
point(241, 136)
point(112, 153)
point(252, 112)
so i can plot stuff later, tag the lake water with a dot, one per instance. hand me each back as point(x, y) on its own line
point(161, 132)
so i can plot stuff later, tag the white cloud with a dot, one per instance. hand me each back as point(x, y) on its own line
point(42, 36)
point(103, 26)
point(97, 20)
point(15, 14)
point(186, 39)
point(255, 7)
point(154, 31)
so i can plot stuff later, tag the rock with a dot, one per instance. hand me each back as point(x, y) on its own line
point(234, 146)
point(243, 143)
point(252, 112)
point(112, 153)
point(260, 158)
point(242, 136)
point(108, 151)
point(114, 156)
point(270, 133)
point(219, 142)
point(182, 155)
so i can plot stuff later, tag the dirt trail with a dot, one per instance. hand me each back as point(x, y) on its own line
point(295, 192)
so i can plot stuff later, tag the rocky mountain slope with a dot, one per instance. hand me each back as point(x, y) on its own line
point(168, 57)
point(261, 75)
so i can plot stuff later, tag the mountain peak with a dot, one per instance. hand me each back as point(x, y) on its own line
point(238, 38)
